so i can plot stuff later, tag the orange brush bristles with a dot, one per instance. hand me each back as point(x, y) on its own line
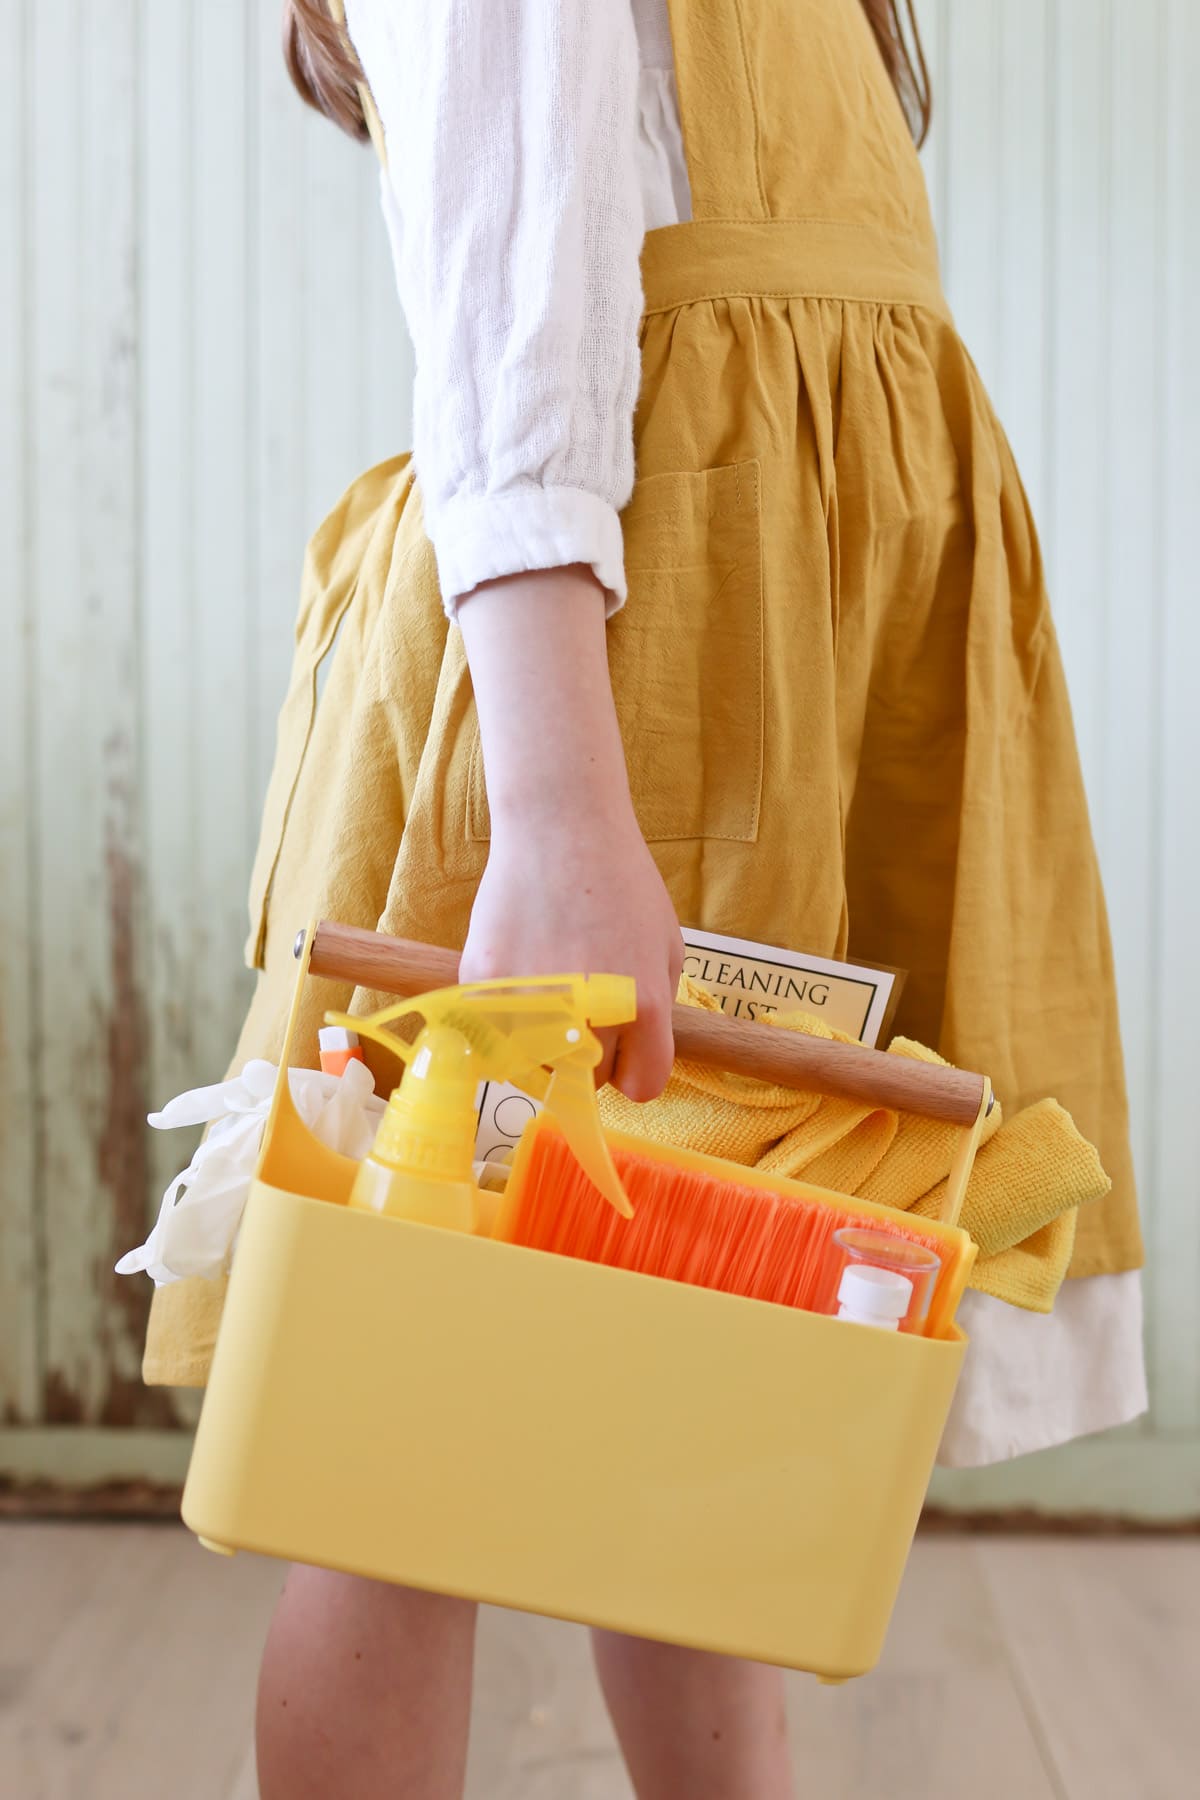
point(687, 1226)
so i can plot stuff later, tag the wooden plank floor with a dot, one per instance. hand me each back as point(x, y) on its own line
point(1017, 1669)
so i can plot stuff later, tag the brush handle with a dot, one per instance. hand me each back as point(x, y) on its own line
point(788, 1058)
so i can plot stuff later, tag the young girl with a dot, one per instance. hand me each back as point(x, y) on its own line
point(795, 682)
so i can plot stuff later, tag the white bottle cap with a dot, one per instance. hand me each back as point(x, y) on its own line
point(871, 1296)
point(336, 1037)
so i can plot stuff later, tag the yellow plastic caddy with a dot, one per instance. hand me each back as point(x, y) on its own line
point(474, 1418)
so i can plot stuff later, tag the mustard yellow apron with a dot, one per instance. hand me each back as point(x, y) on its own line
point(838, 681)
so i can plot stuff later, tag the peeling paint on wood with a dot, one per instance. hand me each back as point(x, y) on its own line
point(19, 1363)
point(111, 1500)
point(121, 1162)
point(157, 481)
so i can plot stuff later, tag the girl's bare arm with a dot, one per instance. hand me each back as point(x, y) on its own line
point(570, 883)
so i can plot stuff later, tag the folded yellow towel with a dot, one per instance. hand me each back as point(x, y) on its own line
point(1031, 1175)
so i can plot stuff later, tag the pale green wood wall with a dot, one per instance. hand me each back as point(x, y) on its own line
point(199, 346)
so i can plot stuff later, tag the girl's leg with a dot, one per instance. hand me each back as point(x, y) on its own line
point(365, 1690)
point(708, 1727)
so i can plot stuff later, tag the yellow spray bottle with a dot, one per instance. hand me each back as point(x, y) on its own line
point(534, 1033)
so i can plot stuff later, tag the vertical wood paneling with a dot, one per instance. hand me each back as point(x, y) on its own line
point(332, 356)
point(335, 243)
point(200, 346)
point(282, 358)
point(1025, 234)
point(223, 594)
point(20, 1380)
point(86, 586)
point(169, 299)
point(1171, 923)
point(111, 681)
point(970, 197)
point(53, 572)
point(1076, 315)
point(1078, 455)
point(1129, 531)
point(386, 400)
point(169, 303)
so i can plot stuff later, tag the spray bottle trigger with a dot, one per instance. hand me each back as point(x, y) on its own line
point(571, 1103)
point(608, 999)
point(533, 1080)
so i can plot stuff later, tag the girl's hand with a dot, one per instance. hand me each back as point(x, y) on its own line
point(570, 884)
point(579, 894)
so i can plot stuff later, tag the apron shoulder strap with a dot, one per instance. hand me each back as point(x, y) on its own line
point(337, 12)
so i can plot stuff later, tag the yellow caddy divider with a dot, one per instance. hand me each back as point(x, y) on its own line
point(474, 1418)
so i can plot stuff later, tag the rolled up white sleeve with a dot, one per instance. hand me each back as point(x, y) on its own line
point(515, 215)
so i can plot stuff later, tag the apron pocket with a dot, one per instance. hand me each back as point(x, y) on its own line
point(686, 658)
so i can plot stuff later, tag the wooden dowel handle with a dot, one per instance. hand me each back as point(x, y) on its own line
point(370, 960)
point(789, 1058)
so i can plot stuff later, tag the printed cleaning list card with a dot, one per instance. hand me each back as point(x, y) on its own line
point(750, 981)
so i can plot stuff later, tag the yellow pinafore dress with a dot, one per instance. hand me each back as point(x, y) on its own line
point(838, 682)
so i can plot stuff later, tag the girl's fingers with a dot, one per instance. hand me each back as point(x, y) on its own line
point(645, 1054)
point(608, 1044)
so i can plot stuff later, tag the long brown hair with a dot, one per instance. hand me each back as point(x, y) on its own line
point(904, 59)
point(324, 68)
point(321, 62)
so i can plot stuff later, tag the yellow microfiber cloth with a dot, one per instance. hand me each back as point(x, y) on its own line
point(1031, 1175)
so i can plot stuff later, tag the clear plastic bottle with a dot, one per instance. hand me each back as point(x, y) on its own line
point(869, 1296)
point(858, 1247)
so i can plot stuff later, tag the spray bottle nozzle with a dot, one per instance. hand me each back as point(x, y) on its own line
point(515, 1031)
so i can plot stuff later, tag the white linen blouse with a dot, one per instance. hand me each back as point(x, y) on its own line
point(530, 147)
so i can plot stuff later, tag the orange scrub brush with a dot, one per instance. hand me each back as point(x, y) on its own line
point(773, 1241)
